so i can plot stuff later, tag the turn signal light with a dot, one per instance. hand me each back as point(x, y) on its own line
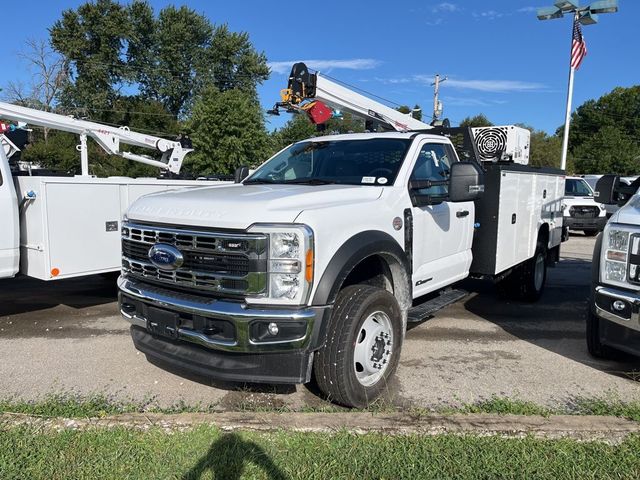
point(308, 272)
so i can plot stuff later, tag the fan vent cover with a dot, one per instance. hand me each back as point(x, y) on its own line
point(491, 142)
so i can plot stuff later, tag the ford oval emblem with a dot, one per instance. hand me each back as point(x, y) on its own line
point(166, 257)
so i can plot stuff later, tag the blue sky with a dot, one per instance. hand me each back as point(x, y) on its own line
point(499, 58)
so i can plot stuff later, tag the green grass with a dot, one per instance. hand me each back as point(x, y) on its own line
point(100, 405)
point(206, 452)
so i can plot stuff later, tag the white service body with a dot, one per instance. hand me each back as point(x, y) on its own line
point(72, 225)
point(515, 205)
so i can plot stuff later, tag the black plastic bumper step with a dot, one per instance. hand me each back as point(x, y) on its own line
point(428, 308)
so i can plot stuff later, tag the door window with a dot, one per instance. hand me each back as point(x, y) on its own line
point(434, 163)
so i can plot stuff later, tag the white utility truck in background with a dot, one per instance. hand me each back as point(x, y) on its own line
point(56, 227)
point(313, 265)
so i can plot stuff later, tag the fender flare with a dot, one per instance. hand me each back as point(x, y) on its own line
point(350, 254)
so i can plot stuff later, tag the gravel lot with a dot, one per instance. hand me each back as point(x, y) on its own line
point(67, 336)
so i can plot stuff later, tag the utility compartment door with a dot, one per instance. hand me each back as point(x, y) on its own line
point(9, 228)
point(83, 228)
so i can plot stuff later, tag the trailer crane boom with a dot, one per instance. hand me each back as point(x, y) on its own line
point(108, 137)
point(317, 91)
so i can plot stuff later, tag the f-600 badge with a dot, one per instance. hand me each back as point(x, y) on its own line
point(166, 257)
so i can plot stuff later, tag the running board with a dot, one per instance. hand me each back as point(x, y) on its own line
point(424, 310)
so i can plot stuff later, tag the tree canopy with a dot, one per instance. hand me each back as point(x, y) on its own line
point(604, 136)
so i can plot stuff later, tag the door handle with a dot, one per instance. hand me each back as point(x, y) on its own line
point(462, 213)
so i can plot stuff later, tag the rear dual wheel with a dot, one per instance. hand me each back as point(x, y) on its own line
point(527, 281)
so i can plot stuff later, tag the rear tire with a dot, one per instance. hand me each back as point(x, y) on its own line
point(590, 233)
point(527, 281)
point(364, 340)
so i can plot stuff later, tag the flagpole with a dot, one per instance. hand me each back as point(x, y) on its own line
point(567, 115)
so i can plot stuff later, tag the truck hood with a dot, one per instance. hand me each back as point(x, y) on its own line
point(630, 213)
point(239, 206)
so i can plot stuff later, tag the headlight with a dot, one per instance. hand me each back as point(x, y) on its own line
point(615, 254)
point(290, 264)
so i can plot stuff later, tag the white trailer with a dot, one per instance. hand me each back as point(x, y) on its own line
point(60, 227)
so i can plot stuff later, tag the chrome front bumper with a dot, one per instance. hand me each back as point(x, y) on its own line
point(241, 315)
point(604, 299)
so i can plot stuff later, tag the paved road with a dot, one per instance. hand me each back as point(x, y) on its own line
point(68, 337)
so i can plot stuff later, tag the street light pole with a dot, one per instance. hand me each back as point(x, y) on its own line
point(585, 15)
point(567, 115)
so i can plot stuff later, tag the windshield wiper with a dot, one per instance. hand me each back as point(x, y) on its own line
point(257, 181)
point(310, 181)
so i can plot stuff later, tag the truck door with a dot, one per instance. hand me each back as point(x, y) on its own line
point(443, 230)
point(9, 229)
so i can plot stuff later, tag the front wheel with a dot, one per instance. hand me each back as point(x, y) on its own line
point(594, 344)
point(363, 345)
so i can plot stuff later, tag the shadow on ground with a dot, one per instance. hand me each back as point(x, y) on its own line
point(227, 458)
point(557, 322)
point(26, 295)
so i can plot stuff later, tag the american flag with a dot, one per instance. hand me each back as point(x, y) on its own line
point(578, 46)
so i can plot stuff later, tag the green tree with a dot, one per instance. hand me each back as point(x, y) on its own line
point(91, 39)
point(608, 150)
point(605, 133)
point(544, 149)
point(227, 129)
point(479, 120)
point(297, 128)
point(416, 111)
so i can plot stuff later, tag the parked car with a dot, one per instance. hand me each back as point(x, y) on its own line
point(613, 316)
point(580, 211)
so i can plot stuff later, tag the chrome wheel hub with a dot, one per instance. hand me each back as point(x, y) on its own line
point(373, 348)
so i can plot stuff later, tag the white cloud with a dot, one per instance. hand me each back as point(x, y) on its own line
point(489, 14)
point(530, 9)
point(470, 102)
point(445, 7)
point(495, 86)
point(499, 86)
point(326, 65)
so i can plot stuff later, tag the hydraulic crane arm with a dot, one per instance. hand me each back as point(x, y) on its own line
point(313, 87)
point(108, 137)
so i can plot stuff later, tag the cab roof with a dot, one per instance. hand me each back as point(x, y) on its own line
point(368, 136)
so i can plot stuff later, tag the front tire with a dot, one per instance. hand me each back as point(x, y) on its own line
point(594, 345)
point(363, 346)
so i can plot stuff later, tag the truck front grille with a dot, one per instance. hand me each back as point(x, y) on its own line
point(218, 262)
point(584, 211)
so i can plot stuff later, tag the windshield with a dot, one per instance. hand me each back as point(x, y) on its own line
point(373, 161)
point(577, 188)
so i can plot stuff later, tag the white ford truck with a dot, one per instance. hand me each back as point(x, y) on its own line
point(312, 266)
point(613, 317)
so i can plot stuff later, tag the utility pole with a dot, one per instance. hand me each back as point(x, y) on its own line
point(585, 15)
point(437, 104)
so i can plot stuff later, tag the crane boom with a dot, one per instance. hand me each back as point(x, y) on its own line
point(312, 87)
point(108, 137)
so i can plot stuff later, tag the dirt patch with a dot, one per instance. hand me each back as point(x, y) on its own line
point(584, 428)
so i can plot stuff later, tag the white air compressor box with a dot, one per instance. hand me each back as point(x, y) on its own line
point(502, 143)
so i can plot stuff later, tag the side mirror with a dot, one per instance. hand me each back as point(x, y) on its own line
point(241, 173)
point(465, 182)
point(605, 189)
